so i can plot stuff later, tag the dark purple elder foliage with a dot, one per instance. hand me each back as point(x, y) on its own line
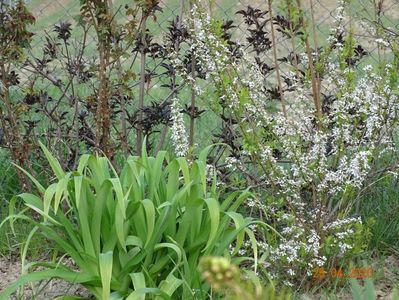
point(15, 39)
point(74, 113)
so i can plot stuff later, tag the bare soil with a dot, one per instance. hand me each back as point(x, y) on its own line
point(386, 279)
point(10, 270)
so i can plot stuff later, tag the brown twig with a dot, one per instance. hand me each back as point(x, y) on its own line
point(315, 91)
point(276, 63)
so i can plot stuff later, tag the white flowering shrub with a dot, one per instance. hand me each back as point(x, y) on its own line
point(306, 241)
point(309, 242)
point(314, 165)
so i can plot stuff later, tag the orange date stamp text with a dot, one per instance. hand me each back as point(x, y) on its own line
point(320, 273)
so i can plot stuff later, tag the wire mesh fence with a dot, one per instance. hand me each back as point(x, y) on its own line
point(50, 12)
point(320, 14)
point(13, 3)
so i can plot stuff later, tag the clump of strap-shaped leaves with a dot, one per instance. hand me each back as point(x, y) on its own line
point(136, 234)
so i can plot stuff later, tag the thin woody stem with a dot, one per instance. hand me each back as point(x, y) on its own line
point(276, 63)
point(318, 81)
point(123, 135)
point(142, 86)
point(315, 91)
point(292, 38)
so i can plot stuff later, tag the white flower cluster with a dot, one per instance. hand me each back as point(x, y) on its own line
point(379, 37)
point(305, 245)
point(179, 132)
point(208, 49)
point(356, 131)
point(338, 28)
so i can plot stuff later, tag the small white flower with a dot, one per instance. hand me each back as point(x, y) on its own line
point(179, 133)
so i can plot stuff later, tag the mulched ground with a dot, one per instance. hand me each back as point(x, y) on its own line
point(386, 272)
point(10, 270)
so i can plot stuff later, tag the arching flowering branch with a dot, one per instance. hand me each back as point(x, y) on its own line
point(179, 132)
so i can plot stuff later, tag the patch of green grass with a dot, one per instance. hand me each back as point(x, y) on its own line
point(9, 183)
point(382, 206)
point(10, 243)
